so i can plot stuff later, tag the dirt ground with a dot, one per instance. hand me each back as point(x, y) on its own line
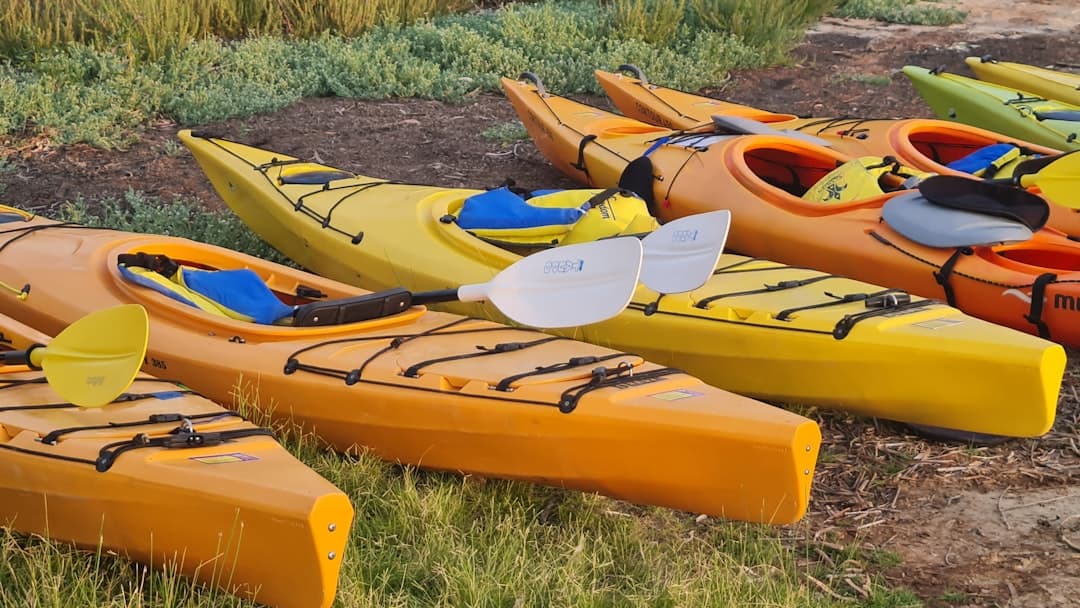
point(973, 526)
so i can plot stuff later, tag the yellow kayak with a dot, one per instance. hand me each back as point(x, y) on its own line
point(168, 478)
point(756, 327)
point(1052, 84)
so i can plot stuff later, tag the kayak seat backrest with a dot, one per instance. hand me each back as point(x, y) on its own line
point(235, 293)
point(989, 161)
point(915, 217)
point(551, 217)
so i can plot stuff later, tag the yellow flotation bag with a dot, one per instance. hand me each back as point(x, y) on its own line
point(548, 218)
point(859, 179)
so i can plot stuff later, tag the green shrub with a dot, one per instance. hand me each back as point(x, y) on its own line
point(137, 212)
point(153, 29)
point(769, 25)
point(654, 21)
point(78, 93)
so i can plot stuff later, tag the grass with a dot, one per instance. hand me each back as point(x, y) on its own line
point(507, 132)
point(908, 12)
point(874, 80)
point(137, 212)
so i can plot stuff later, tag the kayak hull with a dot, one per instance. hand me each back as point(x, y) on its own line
point(923, 144)
point(212, 513)
point(1052, 84)
point(437, 390)
point(848, 239)
point(1001, 109)
point(726, 332)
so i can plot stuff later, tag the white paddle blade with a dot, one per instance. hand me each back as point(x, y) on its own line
point(565, 286)
point(682, 254)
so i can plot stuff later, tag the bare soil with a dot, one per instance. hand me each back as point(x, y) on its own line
point(972, 526)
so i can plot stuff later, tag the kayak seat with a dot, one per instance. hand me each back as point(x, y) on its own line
point(234, 293)
point(242, 295)
point(917, 218)
point(545, 218)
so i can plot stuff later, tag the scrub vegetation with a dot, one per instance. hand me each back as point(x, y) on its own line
point(97, 71)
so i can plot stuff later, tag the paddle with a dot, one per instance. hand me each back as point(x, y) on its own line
point(559, 287)
point(682, 254)
point(1058, 178)
point(94, 359)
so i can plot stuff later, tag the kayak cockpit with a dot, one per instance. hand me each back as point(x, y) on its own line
point(211, 287)
point(811, 180)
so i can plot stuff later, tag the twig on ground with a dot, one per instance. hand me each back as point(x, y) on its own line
point(1001, 512)
point(1063, 529)
point(827, 589)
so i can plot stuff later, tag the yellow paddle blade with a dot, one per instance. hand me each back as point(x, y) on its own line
point(95, 359)
point(1059, 180)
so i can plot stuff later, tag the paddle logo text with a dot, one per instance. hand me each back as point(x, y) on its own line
point(684, 236)
point(95, 380)
point(563, 266)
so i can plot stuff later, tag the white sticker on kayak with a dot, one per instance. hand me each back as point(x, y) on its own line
point(937, 323)
point(675, 395)
point(225, 458)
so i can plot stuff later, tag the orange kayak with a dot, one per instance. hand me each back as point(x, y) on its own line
point(1032, 285)
point(433, 389)
point(168, 478)
point(924, 144)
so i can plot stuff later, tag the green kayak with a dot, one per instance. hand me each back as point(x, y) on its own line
point(1019, 114)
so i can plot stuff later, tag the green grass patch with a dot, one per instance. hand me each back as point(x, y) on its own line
point(507, 132)
point(908, 12)
point(874, 80)
point(954, 597)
